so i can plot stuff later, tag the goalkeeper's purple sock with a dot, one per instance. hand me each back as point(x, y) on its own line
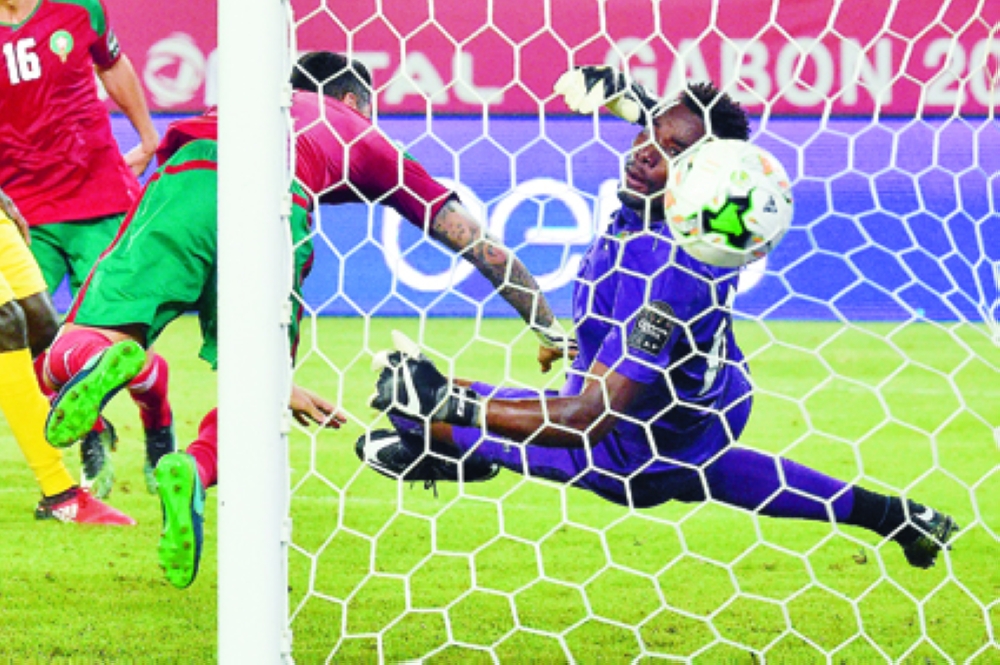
point(748, 479)
point(776, 487)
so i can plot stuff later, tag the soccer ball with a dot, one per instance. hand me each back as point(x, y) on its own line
point(728, 202)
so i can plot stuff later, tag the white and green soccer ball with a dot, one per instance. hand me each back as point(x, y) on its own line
point(728, 202)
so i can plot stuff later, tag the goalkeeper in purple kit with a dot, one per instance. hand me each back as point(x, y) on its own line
point(660, 391)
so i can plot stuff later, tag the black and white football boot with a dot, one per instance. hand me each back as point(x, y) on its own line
point(405, 457)
point(927, 533)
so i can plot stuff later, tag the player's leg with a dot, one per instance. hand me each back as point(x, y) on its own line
point(90, 367)
point(46, 247)
point(55, 247)
point(78, 349)
point(42, 321)
point(182, 478)
point(778, 487)
point(21, 400)
point(89, 241)
point(149, 391)
point(98, 474)
point(159, 266)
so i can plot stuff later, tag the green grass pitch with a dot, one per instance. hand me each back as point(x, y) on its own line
point(525, 571)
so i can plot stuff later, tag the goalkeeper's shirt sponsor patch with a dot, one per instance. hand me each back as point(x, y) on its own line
point(652, 328)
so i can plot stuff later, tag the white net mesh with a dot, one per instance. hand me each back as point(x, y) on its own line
point(871, 334)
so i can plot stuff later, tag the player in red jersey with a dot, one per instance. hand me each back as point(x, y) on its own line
point(60, 162)
point(335, 129)
point(101, 344)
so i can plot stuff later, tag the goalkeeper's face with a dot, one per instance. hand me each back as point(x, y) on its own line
point(647, 164)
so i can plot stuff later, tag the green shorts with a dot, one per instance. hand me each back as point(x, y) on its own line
point(164, 263)
point(71, 248)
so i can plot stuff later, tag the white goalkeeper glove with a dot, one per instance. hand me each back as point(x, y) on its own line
point(409, 384)
point(586, 89)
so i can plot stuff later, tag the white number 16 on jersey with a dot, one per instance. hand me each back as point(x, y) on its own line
point(22, 62)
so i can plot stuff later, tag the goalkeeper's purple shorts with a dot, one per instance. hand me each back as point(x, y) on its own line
point(625, 470)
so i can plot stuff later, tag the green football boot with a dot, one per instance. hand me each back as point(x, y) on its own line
point(78, 405)
point(182, 500)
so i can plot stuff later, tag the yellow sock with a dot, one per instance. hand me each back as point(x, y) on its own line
point(25, 408)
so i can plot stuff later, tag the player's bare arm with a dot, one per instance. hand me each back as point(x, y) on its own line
point(566, 422)
point(558, 422)
point(457, 229)
point(308, 407)
point(123, 86)
point(9, 208)
point(409, 384)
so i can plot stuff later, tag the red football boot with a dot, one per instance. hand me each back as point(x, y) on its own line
point(78, 506)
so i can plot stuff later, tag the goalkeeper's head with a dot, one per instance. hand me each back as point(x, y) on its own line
point(723, 117)
point(335, 75)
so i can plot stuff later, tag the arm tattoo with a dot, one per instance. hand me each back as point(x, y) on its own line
point(457, 230)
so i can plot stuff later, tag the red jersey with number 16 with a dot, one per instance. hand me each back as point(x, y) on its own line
point(59, 160)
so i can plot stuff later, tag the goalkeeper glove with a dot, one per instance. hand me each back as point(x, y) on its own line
point(585, 89)
point(409, 384)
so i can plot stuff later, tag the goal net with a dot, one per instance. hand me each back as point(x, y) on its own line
point(871, 333)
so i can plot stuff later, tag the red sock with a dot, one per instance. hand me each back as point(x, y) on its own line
point(69, 353)
point(205, 450)
point(149, 392)
point(40, 375)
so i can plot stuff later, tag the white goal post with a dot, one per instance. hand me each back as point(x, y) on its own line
point(872, 333)
point(255, 372)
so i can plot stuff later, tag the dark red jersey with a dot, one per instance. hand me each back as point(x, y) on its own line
point(59, 160)
point(340, 157)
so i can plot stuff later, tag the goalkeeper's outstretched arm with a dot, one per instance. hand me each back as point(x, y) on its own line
point(457, 229)
point(565, 422)
point(409, 384)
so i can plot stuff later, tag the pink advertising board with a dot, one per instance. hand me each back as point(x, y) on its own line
point(913, 57)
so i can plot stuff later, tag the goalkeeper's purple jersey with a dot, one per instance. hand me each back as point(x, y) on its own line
point(651, 312)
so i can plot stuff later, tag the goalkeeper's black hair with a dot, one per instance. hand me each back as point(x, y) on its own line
point(333, 75)
point(723, 117)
